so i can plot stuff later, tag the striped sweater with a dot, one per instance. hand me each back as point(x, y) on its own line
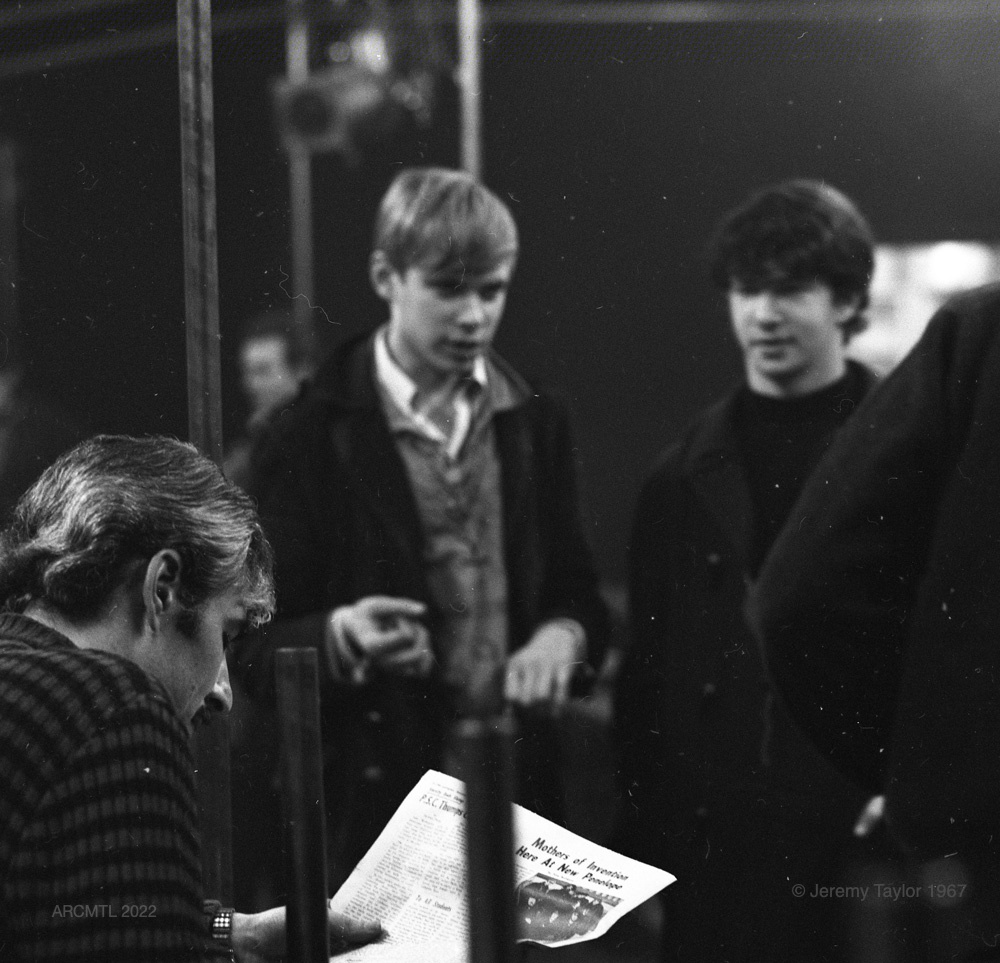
point(99, 852)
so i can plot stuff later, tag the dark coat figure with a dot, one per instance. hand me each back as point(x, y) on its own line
point(730, 796)
point(719, 786)
point(338, 506)
point(879, 613)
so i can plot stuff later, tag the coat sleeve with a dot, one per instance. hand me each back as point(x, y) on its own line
point(834, 601)
point(646, 822)
point(570, 585)
point(278, 482)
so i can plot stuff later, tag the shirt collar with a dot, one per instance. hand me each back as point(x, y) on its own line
point(399, 385)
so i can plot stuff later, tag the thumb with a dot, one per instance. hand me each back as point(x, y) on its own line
point(382, 605)
point(349, 930)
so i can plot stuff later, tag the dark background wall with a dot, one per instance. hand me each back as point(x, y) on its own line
point(617, 146)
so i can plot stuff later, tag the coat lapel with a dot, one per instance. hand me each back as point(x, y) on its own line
point(376, 472)
point(514, 450)
point(717, 476)
point(364, 446)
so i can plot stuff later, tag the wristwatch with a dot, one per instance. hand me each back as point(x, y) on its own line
point(222, 930)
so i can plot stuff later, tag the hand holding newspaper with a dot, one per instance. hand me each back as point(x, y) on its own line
point(413, 879)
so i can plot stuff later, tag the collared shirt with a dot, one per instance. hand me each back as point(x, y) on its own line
point(455, 480)
point(402, 391)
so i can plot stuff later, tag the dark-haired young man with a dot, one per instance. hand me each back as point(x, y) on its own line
point(719, 787)
point(128, 567)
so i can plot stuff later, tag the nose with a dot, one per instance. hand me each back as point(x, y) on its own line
point(763, 308)
point(473, 311)
point(220, 699)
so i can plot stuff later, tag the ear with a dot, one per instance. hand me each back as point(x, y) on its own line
point(161, 586)
point(847, 308)
point(382, 275)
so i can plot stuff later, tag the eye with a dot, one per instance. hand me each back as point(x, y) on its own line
point(491, 292)
point(448, 289)
point(790, 289)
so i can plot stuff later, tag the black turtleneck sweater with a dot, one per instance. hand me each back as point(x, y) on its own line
point(780, 442)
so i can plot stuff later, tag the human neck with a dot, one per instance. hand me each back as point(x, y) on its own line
point(429, 382)
point(808, 383)
point(106, 632)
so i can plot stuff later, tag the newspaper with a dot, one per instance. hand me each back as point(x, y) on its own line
point(413, 879)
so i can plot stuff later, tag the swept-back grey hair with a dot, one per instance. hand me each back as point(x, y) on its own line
point(114, 500)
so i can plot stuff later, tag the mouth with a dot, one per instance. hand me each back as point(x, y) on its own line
point(771, 344)
point(465, 349)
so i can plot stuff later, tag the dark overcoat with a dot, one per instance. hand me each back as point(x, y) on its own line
point(879, 610)
point(339, 510)
point(719, 786)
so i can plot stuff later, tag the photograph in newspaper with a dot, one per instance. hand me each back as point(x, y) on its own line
point(413, 879)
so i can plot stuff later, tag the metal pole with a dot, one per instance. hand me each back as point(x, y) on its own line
point(297, 679)
point(484, 750)
point(201, 274)
point(470, 81)
point(201, 301)
point(300, 186)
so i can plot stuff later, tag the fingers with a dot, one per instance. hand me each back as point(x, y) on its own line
point(560, 688)
point(378, 625)
point(388, 606)
point(385, 632)
point(417, 659)
point(533, 684)
point(345, 930)
point(870, 816)
point(399, 638)
point(539, 675)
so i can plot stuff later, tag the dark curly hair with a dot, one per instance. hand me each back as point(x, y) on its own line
point(114, 500)
point(792, 234)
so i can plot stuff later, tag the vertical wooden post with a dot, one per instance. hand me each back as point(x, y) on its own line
point(484, 750)
point(297, 680)
point(201, 299)
point(470, 84)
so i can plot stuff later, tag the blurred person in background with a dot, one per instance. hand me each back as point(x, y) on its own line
point(272, 366)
